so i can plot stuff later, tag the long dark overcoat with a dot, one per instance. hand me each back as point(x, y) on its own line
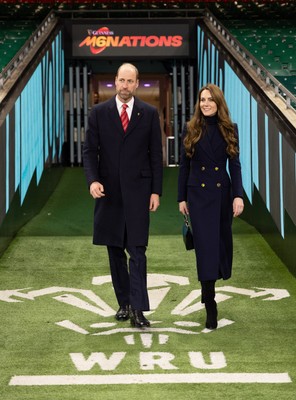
point(129, 165)
point(209, 191)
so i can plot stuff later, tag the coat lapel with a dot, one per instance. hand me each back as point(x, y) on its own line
point(136, 116)
point(217, 141)
point(114, 117)
point(206, 146)
point(211, 147)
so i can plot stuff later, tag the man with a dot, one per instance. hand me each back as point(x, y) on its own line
point(123, 167)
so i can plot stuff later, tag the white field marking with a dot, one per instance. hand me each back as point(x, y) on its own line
point(50, 290)
point(148, 360)
point(106, 364)
point(103, 325)
point(76, 328)
point(72, 327)
point(277, 294)
point(104, 310)
point(157, 280)
point(218, 360)
point(156, 296)
point(101, 280)
point(146, 339)
point(274, 294)
point(186, 307)
point(153, 280)
point(146, 330)
point(186, 323)
point(221, 324)
point(64, 380)
point(163, 339)
point(129, 339)
point(6, 295)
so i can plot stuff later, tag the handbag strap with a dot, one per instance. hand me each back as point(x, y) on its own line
point(186, 220)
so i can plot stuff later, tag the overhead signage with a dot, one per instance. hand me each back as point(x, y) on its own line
point(99, 40)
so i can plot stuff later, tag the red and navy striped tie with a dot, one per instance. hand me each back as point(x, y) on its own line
point(124, 117)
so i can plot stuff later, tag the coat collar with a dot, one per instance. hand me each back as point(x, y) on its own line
point(136, 116)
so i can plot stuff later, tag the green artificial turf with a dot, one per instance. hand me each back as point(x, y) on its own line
point(57, 270)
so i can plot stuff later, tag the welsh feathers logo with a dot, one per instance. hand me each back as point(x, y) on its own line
point(174, 311)
point(162, 294)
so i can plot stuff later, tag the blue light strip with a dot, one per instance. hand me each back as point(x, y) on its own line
point(7, 163)
point(17, 152)
point(267, 164)
point(281, 185)
point(255, 150)
point(213, 65)
point(238, 100)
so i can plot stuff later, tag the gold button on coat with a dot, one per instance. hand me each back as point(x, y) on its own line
point(203, 185)
point(218, 184)
point(216, 168)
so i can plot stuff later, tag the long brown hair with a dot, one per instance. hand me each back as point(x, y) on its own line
point(195, 127)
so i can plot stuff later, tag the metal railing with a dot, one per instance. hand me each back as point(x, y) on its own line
point(20, 56)
point(261, 72)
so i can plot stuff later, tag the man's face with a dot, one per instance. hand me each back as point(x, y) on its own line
point(126, 83)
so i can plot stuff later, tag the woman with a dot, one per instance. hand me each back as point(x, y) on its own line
point(207, 192)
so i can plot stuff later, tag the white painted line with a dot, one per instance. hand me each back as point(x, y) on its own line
point(146, 330)
point(73, 327)
point(59, 380)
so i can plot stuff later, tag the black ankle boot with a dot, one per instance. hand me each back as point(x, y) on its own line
point(211, 308)
point(208, 298)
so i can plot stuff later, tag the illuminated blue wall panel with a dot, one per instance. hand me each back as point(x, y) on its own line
point(37, 118)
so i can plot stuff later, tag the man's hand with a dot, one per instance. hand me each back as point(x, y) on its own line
point(154, 202)
point(96, 190)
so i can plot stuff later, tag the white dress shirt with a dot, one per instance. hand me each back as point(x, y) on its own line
point(129, 108)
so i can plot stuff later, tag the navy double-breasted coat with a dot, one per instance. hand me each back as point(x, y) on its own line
point(209, 190)
point(129, 165)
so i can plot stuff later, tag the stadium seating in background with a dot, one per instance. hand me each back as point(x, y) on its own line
point(13, 35)
point(273, 43)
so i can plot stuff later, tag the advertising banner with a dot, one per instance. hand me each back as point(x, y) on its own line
point(100, 40)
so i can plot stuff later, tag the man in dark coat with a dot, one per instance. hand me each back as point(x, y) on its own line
point(123, 167)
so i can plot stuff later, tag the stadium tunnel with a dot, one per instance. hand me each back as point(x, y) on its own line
point(68, 63)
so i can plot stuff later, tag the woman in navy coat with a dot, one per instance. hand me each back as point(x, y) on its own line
point(210, 193)
point(123, 168)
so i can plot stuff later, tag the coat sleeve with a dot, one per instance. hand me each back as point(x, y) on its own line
point(235, 172)
point(91, 149)
point(184, 169)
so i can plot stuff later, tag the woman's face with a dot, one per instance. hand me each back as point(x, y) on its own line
point(206, 103)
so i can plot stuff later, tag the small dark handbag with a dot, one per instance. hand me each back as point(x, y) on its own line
point(187, 234)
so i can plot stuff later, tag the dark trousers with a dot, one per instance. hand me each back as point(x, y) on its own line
point(129, 278)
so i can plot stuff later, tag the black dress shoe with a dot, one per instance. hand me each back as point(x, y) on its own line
point(138, 320)
point(123, 313)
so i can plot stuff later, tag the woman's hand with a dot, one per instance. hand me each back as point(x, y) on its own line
point(238, 206)
point(183, 208)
